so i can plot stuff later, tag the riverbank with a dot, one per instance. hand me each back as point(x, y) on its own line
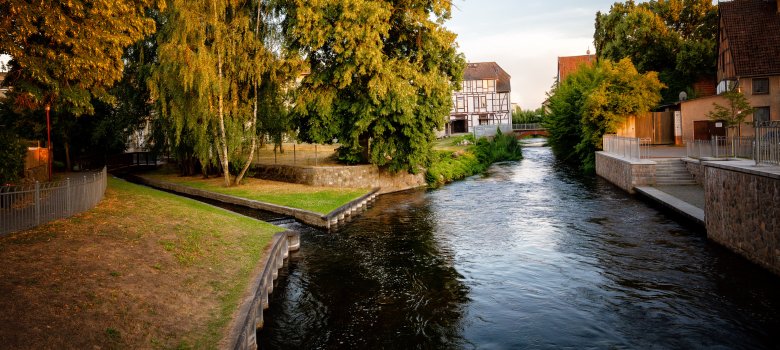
point(460, 157)
point(143, 269)
point(321, 200)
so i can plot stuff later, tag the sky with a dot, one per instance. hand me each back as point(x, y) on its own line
point(525, 38)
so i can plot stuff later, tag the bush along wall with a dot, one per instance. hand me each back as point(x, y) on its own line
point(448, 166)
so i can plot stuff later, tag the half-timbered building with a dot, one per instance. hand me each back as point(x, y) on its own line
point(483, 98)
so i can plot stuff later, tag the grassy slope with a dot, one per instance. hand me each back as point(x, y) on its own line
point(316, 199)
point(144, 269)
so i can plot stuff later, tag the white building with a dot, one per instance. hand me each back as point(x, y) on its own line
point(482, 100)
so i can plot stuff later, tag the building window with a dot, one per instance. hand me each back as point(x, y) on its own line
point(483, 101)
point(491, 85)
point(761, 114)
point(460, 104)
point(760, 86)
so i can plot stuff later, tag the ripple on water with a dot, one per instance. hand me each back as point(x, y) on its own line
point(529, 256)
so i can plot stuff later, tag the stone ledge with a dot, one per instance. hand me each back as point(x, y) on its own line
point(746, 166)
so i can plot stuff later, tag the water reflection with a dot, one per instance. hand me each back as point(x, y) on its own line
point(391, 286)
point(530, 255)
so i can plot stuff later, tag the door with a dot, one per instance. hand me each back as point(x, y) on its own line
point(705, 129)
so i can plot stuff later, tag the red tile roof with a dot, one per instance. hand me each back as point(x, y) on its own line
point(570, 64)
point(488, 70)
point(753, 30)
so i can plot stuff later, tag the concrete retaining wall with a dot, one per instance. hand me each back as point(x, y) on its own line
point(742, 211)
point(307, 217)
point(249, 318)
point(625, 173)
point(358, 176)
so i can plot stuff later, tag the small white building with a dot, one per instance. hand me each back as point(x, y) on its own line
point(482, 100)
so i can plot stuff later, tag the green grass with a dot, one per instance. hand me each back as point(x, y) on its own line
point(315, 199)
point(449, 165)
point(206, 237)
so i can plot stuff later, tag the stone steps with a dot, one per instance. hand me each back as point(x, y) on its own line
point(672, 172)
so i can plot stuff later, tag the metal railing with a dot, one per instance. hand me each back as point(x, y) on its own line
point(490, 130)
point(627, 147)
point(767, 144)
point(528, 126)
point(27, 206)
point(764, 147)
point(720, 147)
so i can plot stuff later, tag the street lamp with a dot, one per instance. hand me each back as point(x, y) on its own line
point(48, 139)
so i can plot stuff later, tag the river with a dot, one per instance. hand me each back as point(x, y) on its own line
point(529, 255)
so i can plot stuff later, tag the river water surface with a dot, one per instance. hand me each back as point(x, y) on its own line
point(530, 255)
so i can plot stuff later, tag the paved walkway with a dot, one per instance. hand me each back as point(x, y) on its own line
point(685, 200)
point(663, 151)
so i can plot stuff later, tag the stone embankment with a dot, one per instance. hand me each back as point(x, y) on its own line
point(740, 210)
point(326, 221)
point(356, 176)
point(243, 329)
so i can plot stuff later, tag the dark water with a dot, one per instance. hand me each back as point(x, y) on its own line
point(529, 256)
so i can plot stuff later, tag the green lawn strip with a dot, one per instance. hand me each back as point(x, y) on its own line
point(207, 238)
point(318, 200)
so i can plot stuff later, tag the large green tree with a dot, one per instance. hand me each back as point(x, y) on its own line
point(676, 38)
point(595, 101)
point(211, 58)
point(381, 76)
point(67, 53)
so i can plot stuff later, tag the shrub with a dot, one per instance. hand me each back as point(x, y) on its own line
point(450, 166)
point(12, 153)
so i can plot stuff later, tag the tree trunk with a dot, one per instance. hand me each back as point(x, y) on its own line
point(222, 137)
point(67, 156)
point(254, 143)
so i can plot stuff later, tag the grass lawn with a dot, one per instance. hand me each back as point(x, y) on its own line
point(321, 200)
point(143, 269)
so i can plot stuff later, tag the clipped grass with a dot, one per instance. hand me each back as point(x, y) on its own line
point(321, 200)
point(144, 269)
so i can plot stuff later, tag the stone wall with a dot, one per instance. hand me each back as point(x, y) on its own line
point(358, 176)
point(695, 168)
point(742, 211)
point(625, 173)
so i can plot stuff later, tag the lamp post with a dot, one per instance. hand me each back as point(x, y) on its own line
point(48, 139)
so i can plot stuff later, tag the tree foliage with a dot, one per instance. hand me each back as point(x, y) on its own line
point(676, 38)
point(525, 116)
point(595, 101)
point(381, 76)
point(734, 113)
point(67, 53)
point(211, 58)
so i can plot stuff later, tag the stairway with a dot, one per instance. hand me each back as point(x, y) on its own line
point(672, 172)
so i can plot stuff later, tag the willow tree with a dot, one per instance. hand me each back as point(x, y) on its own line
point(381, 76)
point(210, 59)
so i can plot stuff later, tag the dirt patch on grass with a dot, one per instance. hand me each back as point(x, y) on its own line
point(144, 269)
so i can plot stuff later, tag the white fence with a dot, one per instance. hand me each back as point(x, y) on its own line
point(626, 147)
point(490, 130)
point(27, 206)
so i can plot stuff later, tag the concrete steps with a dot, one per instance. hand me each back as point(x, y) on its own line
point(672, 172)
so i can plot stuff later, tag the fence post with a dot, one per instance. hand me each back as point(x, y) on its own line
point(37, 203)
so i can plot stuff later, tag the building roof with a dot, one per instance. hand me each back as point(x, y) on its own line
point(570, 64)
point(486, 71)
point(752, 28)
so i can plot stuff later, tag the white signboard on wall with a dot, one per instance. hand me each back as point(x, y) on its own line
point(677, 123)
